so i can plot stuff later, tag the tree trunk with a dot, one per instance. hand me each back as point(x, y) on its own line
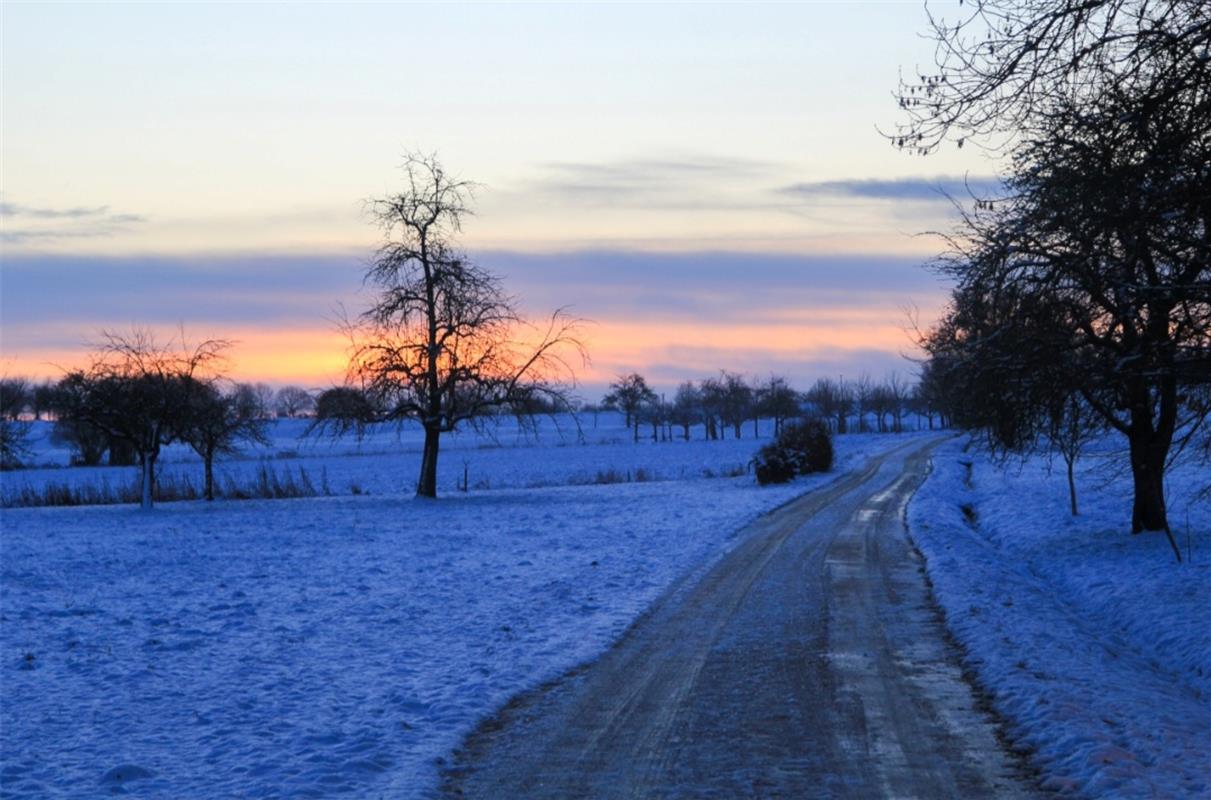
point(426, 486)
point(755, 433)
point(1071, 485)
point(1148, 476)
point(736, 426)
point(148, 464)
point(841, 423)
point(209, 461)
point(685, 427)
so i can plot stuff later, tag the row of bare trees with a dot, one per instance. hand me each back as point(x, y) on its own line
point(137, 396)
point(1083, 291)
point(728, 401)
point(24, 399)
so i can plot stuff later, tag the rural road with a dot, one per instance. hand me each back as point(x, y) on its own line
point(808, 662)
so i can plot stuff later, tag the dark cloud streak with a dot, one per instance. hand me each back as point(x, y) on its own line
point(917, 189)
point(80, 222)
point(259, 290)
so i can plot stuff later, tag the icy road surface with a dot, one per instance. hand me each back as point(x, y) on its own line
point(809, 662)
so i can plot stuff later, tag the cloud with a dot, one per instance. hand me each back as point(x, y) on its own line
point(707, 287)
point(915, 189)
point(17, 210)
point(94, 290)
point(711, 286)
point(691, 182)
point(52, 224)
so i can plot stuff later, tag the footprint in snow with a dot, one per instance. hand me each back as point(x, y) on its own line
point(126, 773)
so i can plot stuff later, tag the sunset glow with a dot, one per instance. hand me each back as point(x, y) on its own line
point(230, 201)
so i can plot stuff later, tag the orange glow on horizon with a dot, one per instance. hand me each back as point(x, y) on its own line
point(316, 357)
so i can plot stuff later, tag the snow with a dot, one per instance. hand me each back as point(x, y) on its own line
point(335, 646)
point(387, 459)
point(1094, 645)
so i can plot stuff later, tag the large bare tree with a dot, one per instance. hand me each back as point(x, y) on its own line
point(442, 343)
point(1001, 66)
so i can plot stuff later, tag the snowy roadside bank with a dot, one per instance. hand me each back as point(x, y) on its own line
point(1094, 645)
point(324, 647)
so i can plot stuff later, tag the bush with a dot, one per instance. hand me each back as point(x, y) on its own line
point(801, 448)
point(772, 465)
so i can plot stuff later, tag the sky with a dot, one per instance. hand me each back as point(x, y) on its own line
point(707, 184)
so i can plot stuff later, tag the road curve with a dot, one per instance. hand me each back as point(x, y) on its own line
point(807, 662)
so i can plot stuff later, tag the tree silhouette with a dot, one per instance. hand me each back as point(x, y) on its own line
point(442, 343)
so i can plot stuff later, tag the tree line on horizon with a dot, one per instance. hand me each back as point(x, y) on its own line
point(138, 395)
point(729, 401)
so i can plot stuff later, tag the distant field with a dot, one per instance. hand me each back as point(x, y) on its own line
point(386, 461)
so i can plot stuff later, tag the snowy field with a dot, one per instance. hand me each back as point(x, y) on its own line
point(386, 460)
point(338, 646)
point(1094, 644)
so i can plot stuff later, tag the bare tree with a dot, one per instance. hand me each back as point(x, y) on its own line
point(863, 394)
point(687, 407)
point(629, 394)
point(139, 392)
point(931, 393)
point(736, 400)
point(1071, 425)
point(443, 344)
point(293, 401)
point(654, 412)
point(14, 443)
point(72, 427)
point(42, 399)
point(14, 397)
point(898, 393)
point(777, 400)
point(713, 400)
point(341, 409)
point(14, 432)
point(832, 402)
point(217, 420)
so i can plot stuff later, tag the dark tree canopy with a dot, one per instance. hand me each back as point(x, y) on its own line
point(1087, 288)
point(140, 393)
point(1093, 278)
point(216, 420)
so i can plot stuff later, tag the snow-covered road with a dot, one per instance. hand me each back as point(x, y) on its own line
point(808, 662)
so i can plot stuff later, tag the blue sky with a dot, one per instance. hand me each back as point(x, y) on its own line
point(621, 139)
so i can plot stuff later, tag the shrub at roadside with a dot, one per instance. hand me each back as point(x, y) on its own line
point(801, 448)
